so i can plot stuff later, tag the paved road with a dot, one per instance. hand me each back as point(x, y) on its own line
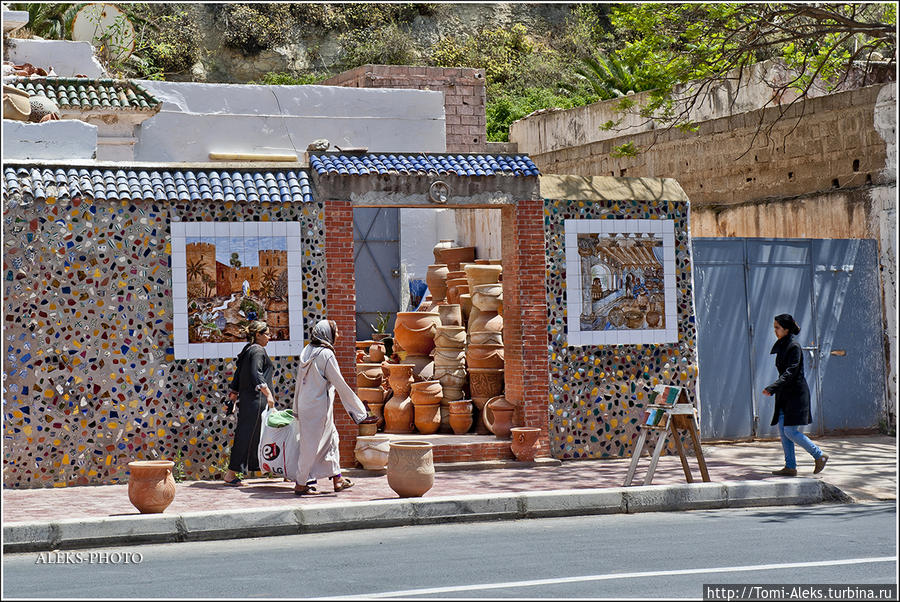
point(652, 555)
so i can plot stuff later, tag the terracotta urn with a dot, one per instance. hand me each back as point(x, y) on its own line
point(436, 279)
point(482, 274)
point(487, 297)
point(451, 314)
point(485, 337)
point(369, 375)
point(486, 382)
point(484, 356)
point(399, 414)
point(410, 468)
point(415, 331)
point(444, 243)
point(498, 416)
point(427, 417)
point(485, 320)
point(524, 442)
point(151, 485)
point(460, 416)
point(453, 256)
point(428, 392)
point(372, 451)
point(453, 289)
point(478, 414)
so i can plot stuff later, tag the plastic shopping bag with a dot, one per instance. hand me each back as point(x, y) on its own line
point(279, 443)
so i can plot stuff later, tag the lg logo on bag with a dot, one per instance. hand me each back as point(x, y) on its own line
point(271, 451)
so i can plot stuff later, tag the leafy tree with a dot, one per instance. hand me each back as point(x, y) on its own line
point(235, 260)
point(611, 77)
point(49, 21)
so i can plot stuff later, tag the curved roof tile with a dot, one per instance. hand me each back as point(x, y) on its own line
point(423, 164)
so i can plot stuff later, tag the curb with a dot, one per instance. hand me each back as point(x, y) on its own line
point(295, 520)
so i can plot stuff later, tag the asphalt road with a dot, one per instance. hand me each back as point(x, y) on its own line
point(652, 555)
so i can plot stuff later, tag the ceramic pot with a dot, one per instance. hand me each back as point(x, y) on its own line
point(369, 375)
point(524, 442)
point(428, 417)
point(451, 378)
point(424, 366)
point(486, 382)
point(436, 279)
point(415, 331)
point(484, 356)
point(653, 317)
point(451, 314)
point(399, 416)
point(453, 256)
point(367, 429)
point(376, 353)
point(634, 318)
point(460, 416)
point(465, 303)
point(485, 337)
point(445, 243)
point(452, 357)
point(482, 274)
point(452, 394)
point(478, 414)
point(453, 289)
point(428, 392)
point(151, 485)
point(485, 320)
point(410, 468)
point(498, 416)
point(372, 451)
point(487, 297)
point(450, 337)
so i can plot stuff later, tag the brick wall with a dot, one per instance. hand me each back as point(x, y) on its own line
point(464, 96)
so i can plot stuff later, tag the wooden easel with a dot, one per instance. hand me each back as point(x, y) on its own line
point(670, 409)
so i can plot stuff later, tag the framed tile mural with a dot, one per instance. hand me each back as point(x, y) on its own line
point(620, 281)
point(225, 274)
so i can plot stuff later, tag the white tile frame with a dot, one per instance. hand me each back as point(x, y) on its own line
point(647, 336)
point(180, 231)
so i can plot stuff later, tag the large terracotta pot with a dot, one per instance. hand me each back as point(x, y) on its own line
point(449, 357)
point(482, 274)
point(486, 382)
point(452, 394)
point(428, 392)
point(450, 337)
point(460, 416)
point(451, 314)
point(487, 297)
point(453, 256)
point(436, 279)
point(444, 243)
point(524, 442)
point(369, 375)
point(498, 416)
point(372, 452)
point(451, 376)
point(410, 468)
point(484, 356)
point(151, 486)
point(415, 331)
point(485, 337)
point(428, 417)
point(399, 415)
point(479, 403)
point(485, 320)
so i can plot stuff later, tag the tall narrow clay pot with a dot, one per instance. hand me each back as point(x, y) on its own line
point(524, 442)
point(498, 416)
point(372, 452)
point(399, 414)
point(436, 279)
point(151, 486)
point(410, 468)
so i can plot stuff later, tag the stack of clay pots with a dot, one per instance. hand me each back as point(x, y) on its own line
point(426, 399)
point(399, 414)
point(415, 331)
point(450, 362)
point(484, 354)
point(369, 387)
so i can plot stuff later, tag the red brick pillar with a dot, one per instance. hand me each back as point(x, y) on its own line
point(527, 369)
point(341, 307)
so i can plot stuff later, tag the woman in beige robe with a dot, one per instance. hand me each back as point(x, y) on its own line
point(317, 380)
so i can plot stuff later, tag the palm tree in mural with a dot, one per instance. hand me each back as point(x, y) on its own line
point(209, 283)
point(269, 278)
point(194, 269)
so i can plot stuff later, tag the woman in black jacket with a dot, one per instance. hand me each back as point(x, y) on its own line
point(791, 397)
point(252, 383)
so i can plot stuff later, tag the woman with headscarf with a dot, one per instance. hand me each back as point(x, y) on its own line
point(317, 380)
point(251, 384)
point(791, 397)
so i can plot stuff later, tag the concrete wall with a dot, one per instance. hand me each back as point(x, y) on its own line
point(420, 230)
point(197, 119)
point(67, 139)
point(67, 59)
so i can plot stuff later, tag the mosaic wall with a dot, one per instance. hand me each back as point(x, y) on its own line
point(597, 393)
point(91, 380)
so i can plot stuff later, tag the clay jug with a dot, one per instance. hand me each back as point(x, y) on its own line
point(369, 375)
point(524, 442)
point(436, 279)
point(445, 243)
point(498, 416)
point(410, 468)
point(151, 486)
point(399, 414)
point(484, 356)
point(460, 416)
point(482, 274)
point(415, 331)
point(372, 452)
point(451, 314)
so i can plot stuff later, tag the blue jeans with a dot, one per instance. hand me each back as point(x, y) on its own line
point(791, 435)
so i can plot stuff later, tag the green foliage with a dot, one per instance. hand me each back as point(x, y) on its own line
point(178, 471)
point(629, 149)
point(611, 77)
point(49, 21)
point(504, 108)
point(342, 17)
point(251, 28)
point(388, 45)
point(169, 39)
point(273, 78)
point(497, 51)
point(381, 322)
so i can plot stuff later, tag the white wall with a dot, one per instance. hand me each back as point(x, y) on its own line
point(66, 58)
point(420, 230)
point(64, 139)
point(197, 119)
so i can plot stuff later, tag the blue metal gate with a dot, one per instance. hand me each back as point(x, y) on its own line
point(831, 289)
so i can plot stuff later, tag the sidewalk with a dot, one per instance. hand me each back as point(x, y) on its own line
point(861, 469)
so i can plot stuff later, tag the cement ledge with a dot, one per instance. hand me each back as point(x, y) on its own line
point(291, 520)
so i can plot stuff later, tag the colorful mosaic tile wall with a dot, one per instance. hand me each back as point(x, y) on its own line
point(597, 393)
point(91, 382)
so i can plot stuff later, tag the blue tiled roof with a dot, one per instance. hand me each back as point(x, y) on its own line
point(460, 165)
point(161, 186)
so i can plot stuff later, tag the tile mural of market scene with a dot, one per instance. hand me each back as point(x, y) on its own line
point(620, 280)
